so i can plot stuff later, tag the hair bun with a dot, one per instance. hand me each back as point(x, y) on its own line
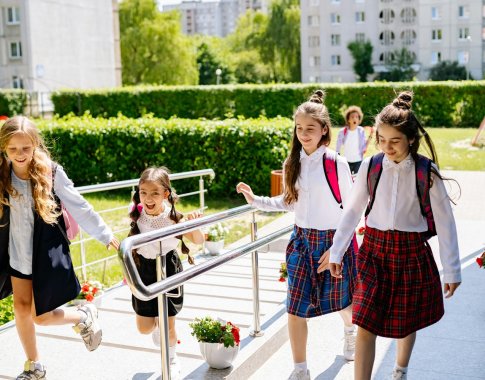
point(318, 97)
point(403, 100)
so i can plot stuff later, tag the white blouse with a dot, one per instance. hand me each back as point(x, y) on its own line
point(316, 207)
point(396, 207)
point(21, 242)
point(147, 223)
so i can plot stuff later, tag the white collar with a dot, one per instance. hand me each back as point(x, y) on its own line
point(407, 163)
point(163, 214)
point(317, 155)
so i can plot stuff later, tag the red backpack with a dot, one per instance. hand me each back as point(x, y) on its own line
point(423, 177)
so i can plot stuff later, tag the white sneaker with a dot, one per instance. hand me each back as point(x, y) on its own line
point(90, 330)
point(299, 374)
point(32, 372)
point(174, 368)
point(397, 374)
point(349, 345)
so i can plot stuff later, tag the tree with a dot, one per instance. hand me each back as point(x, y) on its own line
point(153, 48)
point(208, 64)
point(447, 70)
point(362, 54)
point(399, 69)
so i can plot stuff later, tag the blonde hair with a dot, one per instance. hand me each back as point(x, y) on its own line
point(40, 170)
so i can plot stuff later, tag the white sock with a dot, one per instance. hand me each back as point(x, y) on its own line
point(38, 365)
point(302, 366)
point(171, 351)
point(349, 329)
point(83, 316)
point(402, 369)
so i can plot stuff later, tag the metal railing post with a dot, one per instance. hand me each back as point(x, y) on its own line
point(163, 321)
point(201, 194)
point(255, 269)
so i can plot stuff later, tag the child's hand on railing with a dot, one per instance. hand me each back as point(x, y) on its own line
point(193, 215)
point(245, 190)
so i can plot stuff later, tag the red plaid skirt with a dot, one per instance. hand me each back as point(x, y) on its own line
point(398, 288)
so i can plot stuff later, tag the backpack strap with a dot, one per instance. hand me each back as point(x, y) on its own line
point(423, 181)
point(331, 174)
point(373, 175)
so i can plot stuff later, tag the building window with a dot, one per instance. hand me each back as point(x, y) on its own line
point(13, 15)
point(359, 16)
point(17, 82)
point(435, 14)
point(313, 41)
point(387, 37)
point(335, 18)
point(387, 16)
point(15, 50)
point(463, 11)
point(313, 20)
point(386, 57)
point(436, 35)
point(435, 57)
point(335, 60)
point(462, 57)
point(408, 15)
point(360, 37)
point(335, 39)
point(314, 61)
point(408, 37)
point(463, 33)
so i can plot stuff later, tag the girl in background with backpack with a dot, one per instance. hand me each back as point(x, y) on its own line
point(34, 248)
point(316, 183)
point(398, 288)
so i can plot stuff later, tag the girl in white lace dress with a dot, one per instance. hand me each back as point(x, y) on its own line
point(154, 208)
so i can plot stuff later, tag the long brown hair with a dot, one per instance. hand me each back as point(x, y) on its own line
point(314, 108)
point(161, 176)
point(40, 170)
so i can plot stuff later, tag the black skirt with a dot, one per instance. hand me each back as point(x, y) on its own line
point(148, 273)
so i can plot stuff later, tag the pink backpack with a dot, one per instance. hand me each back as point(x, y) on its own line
point(72, 227)
point(331, 174)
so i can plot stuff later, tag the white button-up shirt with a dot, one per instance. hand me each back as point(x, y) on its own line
point(316, 207)
point(396, 207)
point(21, 242)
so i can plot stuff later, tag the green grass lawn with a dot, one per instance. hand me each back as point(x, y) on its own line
point(452, 145)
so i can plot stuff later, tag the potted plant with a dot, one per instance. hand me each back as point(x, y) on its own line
point(215, 238)
point(91, 291)
point(218, 341)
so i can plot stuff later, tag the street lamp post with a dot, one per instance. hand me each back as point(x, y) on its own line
point(469, 38)
point(218, 75)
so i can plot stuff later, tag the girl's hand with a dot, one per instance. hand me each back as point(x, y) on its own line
point(336, 270)
point(246, 191)
point(323, 261)
point(114, 243)
point(193, 215)
point(449, 289)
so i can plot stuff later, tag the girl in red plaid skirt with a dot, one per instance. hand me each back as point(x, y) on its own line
point(398, 288)
point(317, 213)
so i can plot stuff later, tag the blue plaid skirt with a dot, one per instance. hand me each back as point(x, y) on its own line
point(311, 294)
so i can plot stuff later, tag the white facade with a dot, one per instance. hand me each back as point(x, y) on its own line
point(51, 44)
point(433, 30)
point(213, 18)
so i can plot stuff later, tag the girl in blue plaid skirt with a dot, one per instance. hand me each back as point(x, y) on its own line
point(398, 288)
point(317, 213)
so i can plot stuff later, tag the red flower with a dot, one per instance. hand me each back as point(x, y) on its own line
point(480, 262)
point(361, 231)
point(95, 290)
point(85, 288)
point(89, 297)
point(3, 117)
point(235, 333)
point(281, 279)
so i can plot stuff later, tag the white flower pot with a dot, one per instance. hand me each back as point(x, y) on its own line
point(214, 247)
point(218, 356)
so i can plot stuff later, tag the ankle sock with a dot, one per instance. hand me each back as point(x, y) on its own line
point(171, 352)
point(82, 316)
point(402, 369)
point(349, 329)
point(302, 366)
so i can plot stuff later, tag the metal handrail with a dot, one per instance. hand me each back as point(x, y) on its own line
point(162, 286)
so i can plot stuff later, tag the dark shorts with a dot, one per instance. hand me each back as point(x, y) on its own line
point(148, 273)
point(398, 288)
point(354, 167)
point(14, 273)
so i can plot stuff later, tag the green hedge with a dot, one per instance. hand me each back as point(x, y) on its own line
point(438, 104)
point(97, 150)
point(12, 102)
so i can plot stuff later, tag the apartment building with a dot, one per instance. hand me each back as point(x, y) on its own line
point(432, 30)
point(47, 45)
point(213, 18)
